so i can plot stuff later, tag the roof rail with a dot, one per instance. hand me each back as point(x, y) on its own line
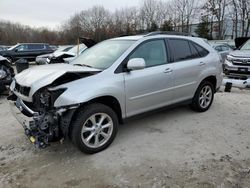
point(167, 33)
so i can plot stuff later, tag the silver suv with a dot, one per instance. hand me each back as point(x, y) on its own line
point(113, 80)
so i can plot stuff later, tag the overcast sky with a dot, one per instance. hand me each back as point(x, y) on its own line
point(51, 13)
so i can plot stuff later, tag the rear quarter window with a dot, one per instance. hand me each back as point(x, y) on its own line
point(202, 51)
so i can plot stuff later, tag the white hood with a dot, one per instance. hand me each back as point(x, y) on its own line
point(58, 54)
point(40, 76)
point(241, 53)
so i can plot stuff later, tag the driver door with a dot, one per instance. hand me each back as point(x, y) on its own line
point(21, 51)
point(151, 87)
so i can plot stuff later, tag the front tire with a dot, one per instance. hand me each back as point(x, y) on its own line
point(203, 97)
point(94, 128)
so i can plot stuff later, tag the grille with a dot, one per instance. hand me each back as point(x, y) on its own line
point(242, 62)
point(22, 89)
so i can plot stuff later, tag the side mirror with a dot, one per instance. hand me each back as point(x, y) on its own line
point(16, 50)
point(136, 64)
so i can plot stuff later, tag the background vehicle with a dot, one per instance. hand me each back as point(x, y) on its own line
point(42, 59)
point(6, 73)
point(3, 48)
point(237, 63)
point(111, 81)
point(70, 55)
point(54, 47)
point(28, 51)
point(223, 49)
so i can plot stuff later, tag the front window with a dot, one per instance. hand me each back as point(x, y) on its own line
point(153, 52)
point(13, 47)
point(22, 47)
point(104, 54)
point(246, 46)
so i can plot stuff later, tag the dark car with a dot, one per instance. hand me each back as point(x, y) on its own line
point(3, 48)
point(28, 51)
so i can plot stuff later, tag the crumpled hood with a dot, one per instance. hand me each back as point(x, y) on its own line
point(40, 76)
point(241, 53)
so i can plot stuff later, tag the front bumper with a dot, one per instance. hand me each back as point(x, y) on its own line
point(24, 120)
point(28, 119)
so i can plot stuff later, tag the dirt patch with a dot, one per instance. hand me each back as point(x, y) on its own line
point(171, 148)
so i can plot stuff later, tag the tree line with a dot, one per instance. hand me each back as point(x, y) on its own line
point(99, 23)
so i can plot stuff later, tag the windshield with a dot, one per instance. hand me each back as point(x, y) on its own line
point(11, 48)
point(246, 46)
point(104, 54)
point(75, 48)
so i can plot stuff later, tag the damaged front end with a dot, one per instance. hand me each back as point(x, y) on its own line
point(41, 121)
point(32, 100)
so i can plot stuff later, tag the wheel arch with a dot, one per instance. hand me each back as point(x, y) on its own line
point(107, 100)
point(212, 80)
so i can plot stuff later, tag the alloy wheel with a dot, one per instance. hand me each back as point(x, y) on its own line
point(97, 130)
point(205, 96)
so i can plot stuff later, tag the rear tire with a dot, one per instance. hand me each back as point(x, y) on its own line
point(203, 97)
point(94, 128)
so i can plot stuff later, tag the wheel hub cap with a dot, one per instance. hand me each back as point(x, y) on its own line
point(97, 130)
point(205, 97)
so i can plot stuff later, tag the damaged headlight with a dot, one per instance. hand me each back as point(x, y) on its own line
point(48, 97)
point(56, 93)
point(45, 98)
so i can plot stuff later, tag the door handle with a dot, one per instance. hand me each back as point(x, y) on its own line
point(202, 64)
point(168, 70)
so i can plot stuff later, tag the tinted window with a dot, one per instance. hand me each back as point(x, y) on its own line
point(180, 50)
point(224, 48)
point(202, 51)
point(36, 46)
point(153, 52)
point(218, 48)
point(194, 51)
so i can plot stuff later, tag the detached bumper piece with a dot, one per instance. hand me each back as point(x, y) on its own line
point(241, 84)
point(36, 126)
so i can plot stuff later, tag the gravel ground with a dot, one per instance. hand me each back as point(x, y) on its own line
point(172, 148)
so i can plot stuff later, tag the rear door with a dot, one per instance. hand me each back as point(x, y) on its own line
point(151, 87)
point(188, 65)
